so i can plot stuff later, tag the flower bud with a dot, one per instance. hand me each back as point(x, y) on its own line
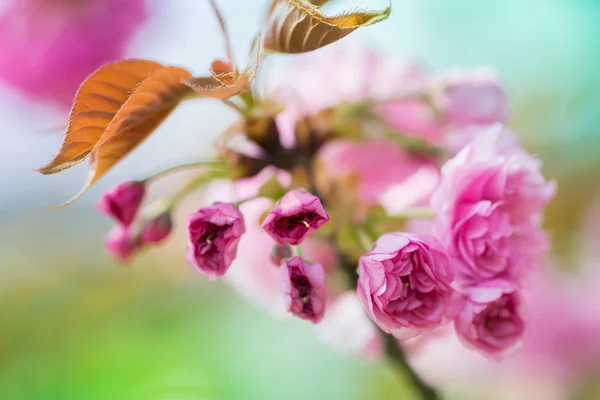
point(123, 201)
point(122, 243)
point(297, 214)
point(157, 229)
point(213, 236)
point(304, 288)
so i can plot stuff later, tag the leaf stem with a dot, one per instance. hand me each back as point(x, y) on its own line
point(397, 356)
point(236, 107)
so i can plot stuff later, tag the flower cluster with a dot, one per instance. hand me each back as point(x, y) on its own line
point(342, 207)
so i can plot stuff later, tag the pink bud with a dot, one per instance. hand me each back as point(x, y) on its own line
point(494, 327)
point(123, 201)
point(297, 214)
point(304, 288)
point(157, 229)
point(213, 236)
point(122, 243)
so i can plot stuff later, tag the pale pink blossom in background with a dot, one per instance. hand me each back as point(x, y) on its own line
point(489, 210)
point(470, 96)
point(377, 164)
point(347, 328)
point(404, 284)
point(308, 83)
point(50, 46)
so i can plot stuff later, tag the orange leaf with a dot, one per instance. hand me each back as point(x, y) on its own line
point(222, 89)
point(149, 104)
point(97, 101)
point(297, 26)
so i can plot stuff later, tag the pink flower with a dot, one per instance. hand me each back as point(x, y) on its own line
point(304, 288)
point(122, 243)
point(470, 97)
point(404, 283)
point(214, 233)
point(50, 46)
point(158, 228)
point(296, 215)
point(123, 201)
point(489, 209)
point(493, 327)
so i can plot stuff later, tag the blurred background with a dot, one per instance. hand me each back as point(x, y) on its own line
point(76, 325)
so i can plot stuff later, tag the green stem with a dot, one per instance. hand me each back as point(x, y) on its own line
point(398, 357)
point(236, 107)
point(187, 166)
point(196, 183)
point(415, 212)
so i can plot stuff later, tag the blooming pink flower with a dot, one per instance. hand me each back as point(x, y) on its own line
point(489, 208)
point(493, 327)
point(296, 215)
point(50, 46)
point(214, 233)
point(123, 201)
point(157, 229)
point(404, 283)
point(122, 243)
point(470, 97)
point(304, 288)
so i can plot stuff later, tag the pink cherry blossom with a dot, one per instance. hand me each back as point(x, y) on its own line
point(404, 283)
point(123, 201)
point(50, 46)
point(489, 208)
point(213, 236)
point(494, 327)
point(295, 216)
point(304, 288)
point(158, 228)
point(122, 243)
